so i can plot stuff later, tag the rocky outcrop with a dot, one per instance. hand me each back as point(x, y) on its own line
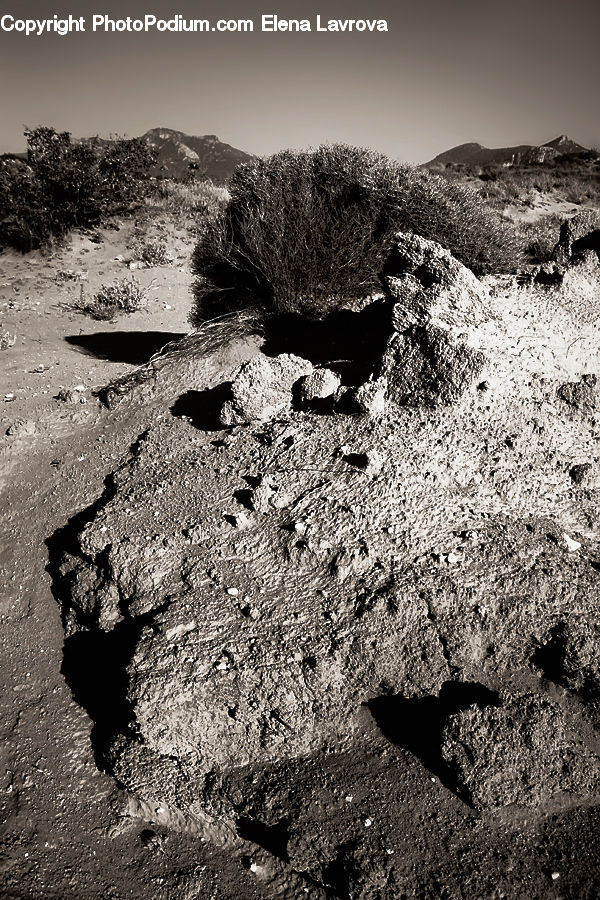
point(522, 750)
point(265, 584)
point(320, 386)
point(432, 356)
point(578, 234)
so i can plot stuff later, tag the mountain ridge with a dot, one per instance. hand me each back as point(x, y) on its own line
point(180, 154)
point(473, 154)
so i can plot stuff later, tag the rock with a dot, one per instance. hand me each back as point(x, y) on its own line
point(262, 388)
point(370, 461)
point(267, 496)
point(22, 428)
point(582, 232)
point(425, 367)
point(320, 385)
point(369, 398)
point(585, 475)
point(7, 339)
point(449, 565)
point(67, 396)
point(523, 751)
point(430, 286)
point(439, 308)
point(581, 395)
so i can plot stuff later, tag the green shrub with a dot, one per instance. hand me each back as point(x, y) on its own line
point(125, 296)
point(63, 185)
point(305, 231)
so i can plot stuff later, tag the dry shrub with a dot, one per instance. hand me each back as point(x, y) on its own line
point(122, 297)
point(152, 253)
point(539, 238)
point(307, 231)
point(186, 199)
point(65, 184)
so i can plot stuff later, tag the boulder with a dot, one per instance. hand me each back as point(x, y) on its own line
point(262, 388)
point(320, 385)
point(369, 398)
point(425, 367)
point(439, 307)
point(582, 232)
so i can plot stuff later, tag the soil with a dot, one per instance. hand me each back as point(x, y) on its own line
point(359, 787)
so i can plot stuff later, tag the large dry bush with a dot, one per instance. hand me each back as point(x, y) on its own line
point(307, 231)
point(65, 184)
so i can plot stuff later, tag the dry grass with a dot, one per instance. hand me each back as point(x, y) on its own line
point(187, 200)
point(121, 298)
point(209, 338)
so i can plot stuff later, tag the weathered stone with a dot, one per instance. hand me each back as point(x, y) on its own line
point(21, 428)
point(523, 751)
point(385, 557)
point(320, 385)
point(424, 367)
point(369, 398)
point(580, 233)
point(262, 388)
point(430, 286)
point(582, 395)
point(432, 357)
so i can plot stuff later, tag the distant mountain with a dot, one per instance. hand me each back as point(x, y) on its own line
point(477, 156)
point(180, 154)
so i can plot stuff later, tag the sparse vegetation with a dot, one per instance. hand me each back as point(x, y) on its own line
point(65, 184)
point(539, 238)
point(122, 297)
point(306, 231)
point(153, 253)
point(183, 200)
point(574, 177)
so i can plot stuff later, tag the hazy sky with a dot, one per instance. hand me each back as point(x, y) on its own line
point(501, 72)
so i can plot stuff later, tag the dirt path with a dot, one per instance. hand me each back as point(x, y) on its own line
point(63, 830)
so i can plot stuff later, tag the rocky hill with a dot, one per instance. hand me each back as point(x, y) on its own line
point(472, 155)
point(179, 154)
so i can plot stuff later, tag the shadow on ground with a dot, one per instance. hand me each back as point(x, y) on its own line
point(202, 408)
point(348, 342)
point(417, 724)
point(134, 347)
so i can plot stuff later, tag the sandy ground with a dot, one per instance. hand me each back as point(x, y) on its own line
point(60, 817)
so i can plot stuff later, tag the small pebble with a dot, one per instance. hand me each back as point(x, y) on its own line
point(572, 545)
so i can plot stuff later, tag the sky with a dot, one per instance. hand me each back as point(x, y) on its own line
point(446, 72)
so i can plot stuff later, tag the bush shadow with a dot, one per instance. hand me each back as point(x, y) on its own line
point(133, 347)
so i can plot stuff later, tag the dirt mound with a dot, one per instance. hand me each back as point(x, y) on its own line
point(256, 589)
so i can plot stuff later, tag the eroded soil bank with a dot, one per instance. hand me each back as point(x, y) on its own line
point(334, 627)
